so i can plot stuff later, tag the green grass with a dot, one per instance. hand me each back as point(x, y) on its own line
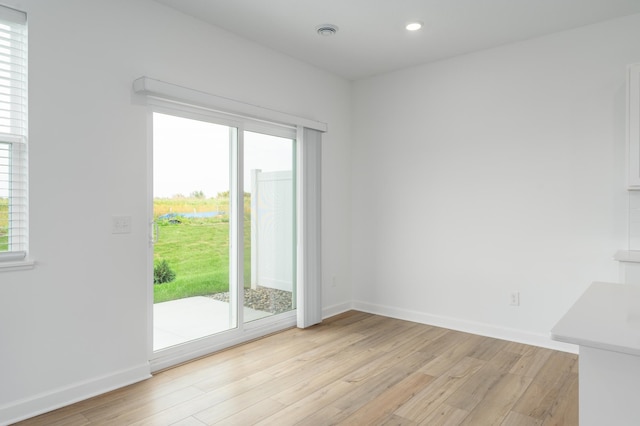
point(4, 224)
point(197, 250)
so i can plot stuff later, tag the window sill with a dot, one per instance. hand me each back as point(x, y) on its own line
point(19, 265)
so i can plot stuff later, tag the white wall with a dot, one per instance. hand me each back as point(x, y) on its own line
point(76, 324)
point(477, 176)
point(489, 173)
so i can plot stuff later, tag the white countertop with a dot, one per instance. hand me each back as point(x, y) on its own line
point(606, 316)
point(632, 256)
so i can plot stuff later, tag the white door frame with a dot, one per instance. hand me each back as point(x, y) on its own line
point(170, 356)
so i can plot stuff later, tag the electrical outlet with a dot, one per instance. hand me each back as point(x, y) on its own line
point(514, 299)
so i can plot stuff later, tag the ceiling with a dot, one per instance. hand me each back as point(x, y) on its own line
point(372, 39)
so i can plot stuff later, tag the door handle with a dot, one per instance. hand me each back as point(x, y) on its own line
point(154, 232)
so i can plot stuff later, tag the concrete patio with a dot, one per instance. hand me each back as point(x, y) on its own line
point(182, 320)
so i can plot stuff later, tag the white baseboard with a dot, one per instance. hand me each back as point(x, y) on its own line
point(333, 310)
point(57, 398)
point(482, 329)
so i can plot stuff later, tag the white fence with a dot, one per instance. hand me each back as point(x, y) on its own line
point(272, 230)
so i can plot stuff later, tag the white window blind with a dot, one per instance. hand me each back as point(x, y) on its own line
point(13, 135)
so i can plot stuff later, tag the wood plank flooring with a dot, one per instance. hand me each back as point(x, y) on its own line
point(353, 369)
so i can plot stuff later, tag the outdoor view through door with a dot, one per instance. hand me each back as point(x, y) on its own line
point(202, 285)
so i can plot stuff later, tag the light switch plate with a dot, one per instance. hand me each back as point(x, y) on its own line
point(121, 224)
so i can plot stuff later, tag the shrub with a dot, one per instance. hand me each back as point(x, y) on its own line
point(162, 273)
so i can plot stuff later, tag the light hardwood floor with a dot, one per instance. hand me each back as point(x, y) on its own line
point(354, 369)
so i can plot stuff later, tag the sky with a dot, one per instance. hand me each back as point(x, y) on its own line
point(191, 155)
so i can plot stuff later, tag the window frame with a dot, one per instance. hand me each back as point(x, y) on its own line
point(14, 137)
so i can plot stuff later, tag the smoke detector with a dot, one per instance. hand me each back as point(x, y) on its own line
point(326, 30)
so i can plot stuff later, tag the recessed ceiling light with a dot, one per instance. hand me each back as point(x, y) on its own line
point(414, 26)
point(326, 30)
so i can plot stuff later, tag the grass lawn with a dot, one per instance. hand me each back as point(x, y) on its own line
point(197, 250)
point(4, 224)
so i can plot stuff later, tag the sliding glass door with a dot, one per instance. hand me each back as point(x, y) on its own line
point(223, 227)
point(269, 185)
point(191, 214)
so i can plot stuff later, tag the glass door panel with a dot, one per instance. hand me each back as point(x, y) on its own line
point(269, 225)
point(191, 212)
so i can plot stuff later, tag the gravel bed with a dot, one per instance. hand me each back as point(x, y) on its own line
point(262, 299)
